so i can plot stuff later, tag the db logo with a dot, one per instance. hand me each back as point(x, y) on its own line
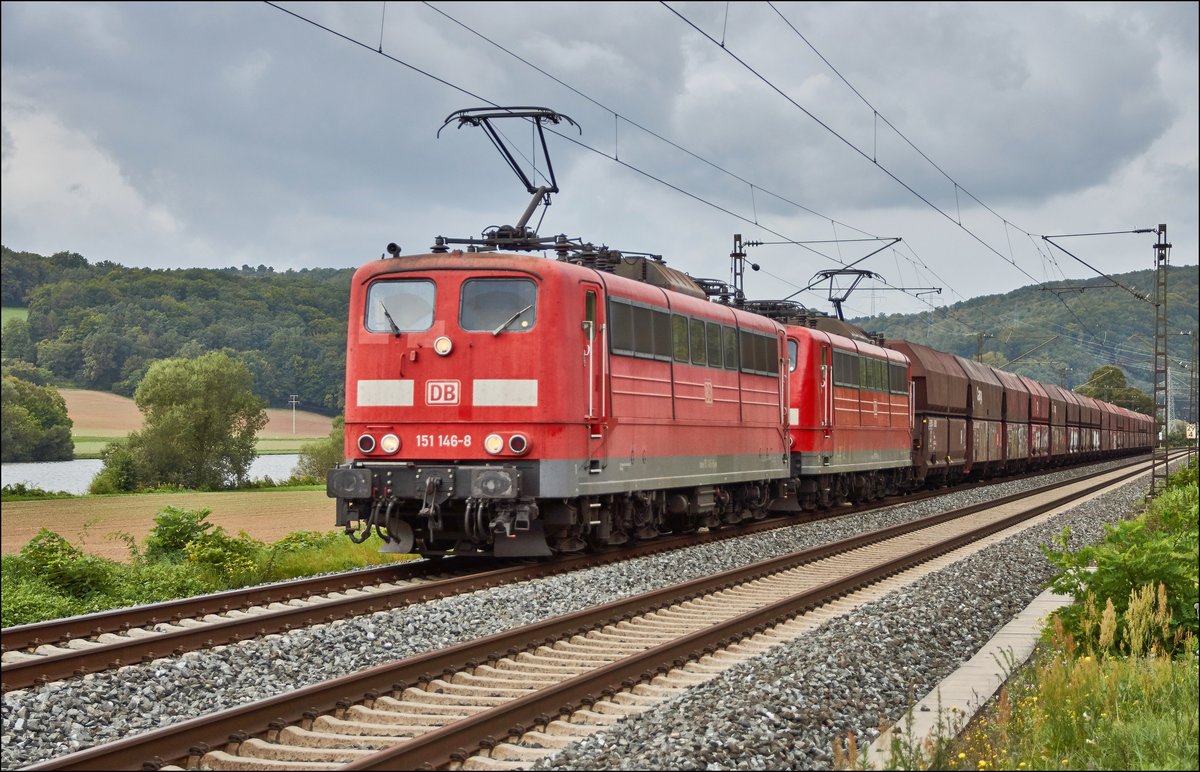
point(441, 392)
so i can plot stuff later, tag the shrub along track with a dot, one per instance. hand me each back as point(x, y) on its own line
point(39, 653)
point(509, 694)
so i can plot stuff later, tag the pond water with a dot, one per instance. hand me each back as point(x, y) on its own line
point(75, 476)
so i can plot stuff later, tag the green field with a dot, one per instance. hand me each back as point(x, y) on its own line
point(90, 446)
point(11, 312)
point(271, 446)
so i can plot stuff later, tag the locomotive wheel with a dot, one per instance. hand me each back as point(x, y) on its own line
point(400, 539)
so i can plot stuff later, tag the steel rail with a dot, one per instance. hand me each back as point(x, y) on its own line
point(56, 631)
point(98, 658)
point(157, 747)
point(53, 631)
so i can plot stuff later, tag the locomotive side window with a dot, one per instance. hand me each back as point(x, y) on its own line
point(699, 346)
point(731, 348)
point(845, 369)
point(662, 335)
point(400, 305)
point(498, 305)
point(770, 354)
point(620, 320)
point(714, 344)
point(870, 374)
point(899, 379)
point(759, 354)
point(793, 355)
point(639, 331)
point(679, 333)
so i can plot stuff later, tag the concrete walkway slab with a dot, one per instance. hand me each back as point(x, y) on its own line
point(963, 693)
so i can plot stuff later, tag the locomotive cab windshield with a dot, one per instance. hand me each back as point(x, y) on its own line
point(498, 305)
point(400, 305)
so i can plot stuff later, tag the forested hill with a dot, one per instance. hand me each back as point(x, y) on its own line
point(1096, 324)
point(99, 326)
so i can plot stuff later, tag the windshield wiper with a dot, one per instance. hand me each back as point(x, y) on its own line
point(511, 319)
point(390, 320)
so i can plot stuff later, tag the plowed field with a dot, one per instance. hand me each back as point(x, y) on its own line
point(88, 522)
point(100, 414)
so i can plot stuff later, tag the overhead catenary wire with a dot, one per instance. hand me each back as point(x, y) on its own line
point(620, 117)
point(613, 157)
point(869, 157)
point(915, 259)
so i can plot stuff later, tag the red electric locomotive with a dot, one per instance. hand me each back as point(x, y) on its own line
point(850, 412)
point(519, 406)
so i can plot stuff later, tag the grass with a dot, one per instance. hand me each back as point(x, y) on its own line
point(1112, 690)
point(92, 445)
point(12, 312)
point(274, 446)
point(1085, 712)
point(183, 555)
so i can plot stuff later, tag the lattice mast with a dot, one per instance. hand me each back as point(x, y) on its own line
point(1159, 471)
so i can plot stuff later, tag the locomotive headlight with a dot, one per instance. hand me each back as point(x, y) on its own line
point(493, 443)
point(366, 443)
point(389, 443)
point(518, 444)
point(443, 346)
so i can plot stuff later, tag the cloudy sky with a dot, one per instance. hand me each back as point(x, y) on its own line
point(213, 135)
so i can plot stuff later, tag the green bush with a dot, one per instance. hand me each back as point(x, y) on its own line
point(234, 560)
point(65, 567)
point(1155, 550)
point(146, 582)
point(184, 556)
point(32, 600)
point(23, 492)
point(119, 474)
point(299, 541)
point(318, 457)
point(173, 530)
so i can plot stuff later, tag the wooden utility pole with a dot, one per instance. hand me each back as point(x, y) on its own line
point(292, 401)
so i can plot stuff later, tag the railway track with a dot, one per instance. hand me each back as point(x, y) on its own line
point(505, 700)
point(68, 648)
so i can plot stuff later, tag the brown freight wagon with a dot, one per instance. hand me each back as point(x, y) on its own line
point(939, 413)
point(985, 412)
point(1058, 424)
point(1039, 423)
point(1015, 420)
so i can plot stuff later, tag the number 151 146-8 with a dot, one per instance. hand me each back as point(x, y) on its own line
point(443, 441)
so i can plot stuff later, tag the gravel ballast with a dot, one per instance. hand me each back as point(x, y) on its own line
point(781, 710)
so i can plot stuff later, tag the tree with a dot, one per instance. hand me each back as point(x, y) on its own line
point(15, 342)
point(34, 425)
point(317, 458)
point(1108, 383)
point(201, 422)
